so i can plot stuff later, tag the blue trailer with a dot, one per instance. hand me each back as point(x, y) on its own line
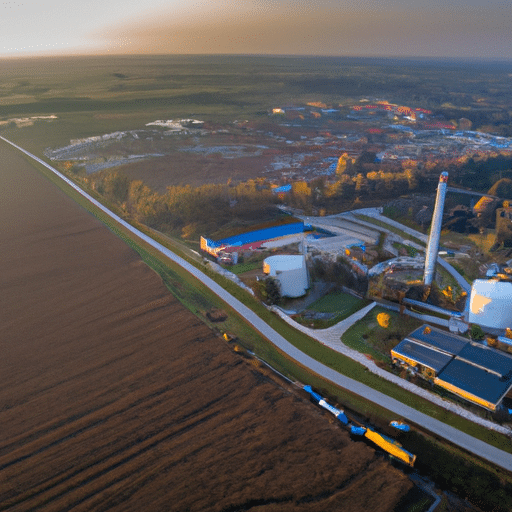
point(322, 403)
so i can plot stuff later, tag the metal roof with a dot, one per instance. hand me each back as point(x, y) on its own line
point(259, 235)
point(489, 358)
point(480, 374)
point(444, 341)
point(476, 380)
point(427, 356)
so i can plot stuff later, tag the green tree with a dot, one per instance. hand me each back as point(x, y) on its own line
point(272, 291)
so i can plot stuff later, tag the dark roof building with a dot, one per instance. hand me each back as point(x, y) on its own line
point(479, 374)
point(428, 350)
point(441, 340)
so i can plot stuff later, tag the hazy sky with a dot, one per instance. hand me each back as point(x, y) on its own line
point(439, 28)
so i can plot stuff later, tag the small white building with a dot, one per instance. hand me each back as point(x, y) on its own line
point(490, 304)
point(290, 271)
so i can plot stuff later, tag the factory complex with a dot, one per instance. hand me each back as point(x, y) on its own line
point(475, 371)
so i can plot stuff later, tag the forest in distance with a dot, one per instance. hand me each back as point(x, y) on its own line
point(226, 209)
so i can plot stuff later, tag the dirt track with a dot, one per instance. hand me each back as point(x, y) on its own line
point(114, 397)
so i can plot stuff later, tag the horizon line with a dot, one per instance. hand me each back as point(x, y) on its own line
point(267, 55)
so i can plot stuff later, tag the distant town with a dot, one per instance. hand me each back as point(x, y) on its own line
point(300, 142)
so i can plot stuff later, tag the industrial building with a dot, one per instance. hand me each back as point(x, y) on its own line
point(428, 350)
point(479, 374)
point(252, 239)
point(291, 273)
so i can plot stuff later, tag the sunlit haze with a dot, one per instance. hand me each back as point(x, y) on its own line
point(460, 28)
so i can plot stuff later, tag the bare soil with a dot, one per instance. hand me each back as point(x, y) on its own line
point(114, 397)
point(182, 168)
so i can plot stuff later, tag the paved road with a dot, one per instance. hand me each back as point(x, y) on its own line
point(498, 457)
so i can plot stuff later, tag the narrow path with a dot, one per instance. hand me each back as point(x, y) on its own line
point(455, 436)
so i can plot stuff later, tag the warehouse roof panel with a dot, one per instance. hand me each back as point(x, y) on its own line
point(488, 358)
point(422, 354)
point(442, 340)
point(475, 382)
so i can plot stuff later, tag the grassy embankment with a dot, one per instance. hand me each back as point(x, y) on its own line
point(199, 299)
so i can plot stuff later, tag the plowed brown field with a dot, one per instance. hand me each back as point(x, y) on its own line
point(114, 397)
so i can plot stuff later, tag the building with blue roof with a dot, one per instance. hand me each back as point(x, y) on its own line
point(213, 247)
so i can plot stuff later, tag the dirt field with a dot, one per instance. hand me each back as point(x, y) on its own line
point(114, 397)
point(160, 173)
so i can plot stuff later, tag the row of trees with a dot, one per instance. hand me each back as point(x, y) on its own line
point(185, 210)
point(322, 193)
point(192, 211)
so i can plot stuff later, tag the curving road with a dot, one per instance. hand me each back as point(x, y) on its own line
point(375, 213)
point(469, 443)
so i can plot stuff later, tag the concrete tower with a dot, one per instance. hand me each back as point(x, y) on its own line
point(435, 231)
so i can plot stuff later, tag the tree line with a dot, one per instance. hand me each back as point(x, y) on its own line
point(212, 209)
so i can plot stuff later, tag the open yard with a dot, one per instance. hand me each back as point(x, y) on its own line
point(329, 309)
point(370, 337)
point(343, 304)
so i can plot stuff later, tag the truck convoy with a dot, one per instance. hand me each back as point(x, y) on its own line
point(389, 445)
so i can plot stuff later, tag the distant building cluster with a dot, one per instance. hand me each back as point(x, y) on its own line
point(180, 125)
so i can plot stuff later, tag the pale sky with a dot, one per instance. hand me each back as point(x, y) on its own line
point(428, 28)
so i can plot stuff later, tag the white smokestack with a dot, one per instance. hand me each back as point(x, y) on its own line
point(435, 231)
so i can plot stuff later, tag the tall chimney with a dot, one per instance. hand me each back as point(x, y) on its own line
point(435, 231)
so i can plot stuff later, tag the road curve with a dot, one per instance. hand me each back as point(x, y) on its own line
point(374, 212)
point(469, 443)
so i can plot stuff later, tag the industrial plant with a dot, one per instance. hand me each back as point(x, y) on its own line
point(474, 370)
point(479, 371)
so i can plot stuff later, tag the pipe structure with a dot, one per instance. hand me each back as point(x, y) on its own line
point(435, 231)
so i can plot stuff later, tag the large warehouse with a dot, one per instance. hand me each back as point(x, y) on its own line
point(252, 239)
point(479, 374)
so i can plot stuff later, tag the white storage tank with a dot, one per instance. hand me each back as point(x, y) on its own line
point(490, 304)
point(290, 271)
